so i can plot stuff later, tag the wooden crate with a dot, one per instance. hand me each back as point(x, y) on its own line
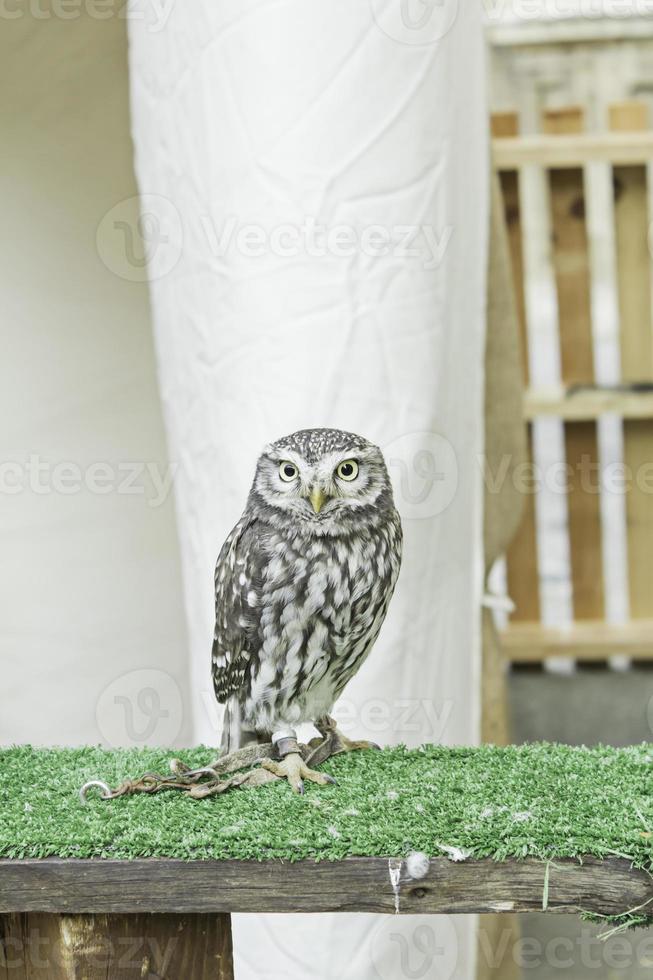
point(563, 153)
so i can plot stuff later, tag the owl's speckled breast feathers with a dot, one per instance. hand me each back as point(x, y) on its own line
point(304, 580)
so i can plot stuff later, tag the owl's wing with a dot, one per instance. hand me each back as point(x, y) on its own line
point(236, 619)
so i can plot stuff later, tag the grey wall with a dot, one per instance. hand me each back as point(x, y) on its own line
point(89, 582)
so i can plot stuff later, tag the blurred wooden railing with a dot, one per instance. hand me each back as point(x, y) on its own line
point(562, 154)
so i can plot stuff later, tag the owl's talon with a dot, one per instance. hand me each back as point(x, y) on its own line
point(293, 768)
point(347, 745)
point(335, 742)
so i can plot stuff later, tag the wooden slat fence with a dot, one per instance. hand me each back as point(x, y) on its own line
point(564, 152)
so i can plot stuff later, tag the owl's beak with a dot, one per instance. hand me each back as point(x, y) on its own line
point(318, 499)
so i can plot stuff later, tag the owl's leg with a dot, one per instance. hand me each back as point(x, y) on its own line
point(256, 764)
point(335, 742)
point(292, 766)
point(249, 755)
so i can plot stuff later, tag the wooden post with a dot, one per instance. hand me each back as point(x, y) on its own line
point(636, 341)
point(572, 274)
point(563, 151)
point(46, 946)
point(522, 562)
point(504, 126)
point(504, 436)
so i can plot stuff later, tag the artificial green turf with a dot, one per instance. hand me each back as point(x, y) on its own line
point(540, 799)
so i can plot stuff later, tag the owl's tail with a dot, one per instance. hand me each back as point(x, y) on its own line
point(235, 733)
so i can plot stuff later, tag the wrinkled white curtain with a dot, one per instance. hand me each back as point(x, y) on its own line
point(314, 197)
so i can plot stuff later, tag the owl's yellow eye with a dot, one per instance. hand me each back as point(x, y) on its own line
point(288, 471)
point(347, 470)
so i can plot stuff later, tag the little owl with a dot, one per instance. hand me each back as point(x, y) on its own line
point(302, 586)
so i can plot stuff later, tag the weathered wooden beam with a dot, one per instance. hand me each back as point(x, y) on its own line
point(572, 150)
point(551, 32)
point(587, 404)
point(357, 884)
point(582, 640)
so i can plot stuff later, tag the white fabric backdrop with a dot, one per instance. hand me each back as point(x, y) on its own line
point(314, 187)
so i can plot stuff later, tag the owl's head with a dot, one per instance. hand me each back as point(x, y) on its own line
point(323, 477)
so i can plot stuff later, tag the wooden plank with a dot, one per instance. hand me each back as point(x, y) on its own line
point(522, 561)
point(585, 544)
point(360, 884)
point(504, 441)
point(633, 256)
point(571, 150)
point(46, 946)
point(549, 31)
point(571, 266)
point(494, 704)
point(504, 125)
point(522, 568)
point(532, 642)
point(507, 124)
point(587, 404)
point(636, 341)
